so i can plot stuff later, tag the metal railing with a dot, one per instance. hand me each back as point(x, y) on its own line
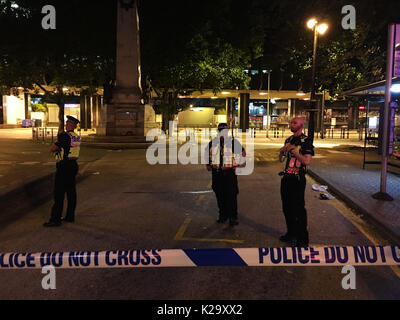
point(46, 134)
point(338, 133)
point(275, 133)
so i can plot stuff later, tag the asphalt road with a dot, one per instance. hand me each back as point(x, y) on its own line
point(128, 204)
point(22, 160)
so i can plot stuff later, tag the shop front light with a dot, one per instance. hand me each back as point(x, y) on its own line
point(395, 88)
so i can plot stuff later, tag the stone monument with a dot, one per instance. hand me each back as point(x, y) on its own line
point(126, 114)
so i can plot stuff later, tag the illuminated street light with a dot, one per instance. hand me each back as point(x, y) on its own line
point(311, 23)
point(322, 28)
point(318, 28)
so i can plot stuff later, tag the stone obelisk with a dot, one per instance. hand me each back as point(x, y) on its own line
point(127, 115)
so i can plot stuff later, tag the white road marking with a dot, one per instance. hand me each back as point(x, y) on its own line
point(6, 162)
point(338, 152)
point(318, 156)
point(197, 192)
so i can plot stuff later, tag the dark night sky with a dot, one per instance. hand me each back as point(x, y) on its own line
point(88, 26)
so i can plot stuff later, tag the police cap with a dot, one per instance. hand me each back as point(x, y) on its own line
point(222, 126)
point(72, 119)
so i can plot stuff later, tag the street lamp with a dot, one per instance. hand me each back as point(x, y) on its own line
point(318, 28)
point(269, 99)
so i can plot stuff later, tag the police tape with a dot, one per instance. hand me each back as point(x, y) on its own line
point(254, 257)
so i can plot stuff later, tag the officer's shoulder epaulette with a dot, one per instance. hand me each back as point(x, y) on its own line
point(303, 137)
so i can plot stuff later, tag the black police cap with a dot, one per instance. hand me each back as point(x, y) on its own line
point(72, 119)
point(222, 126)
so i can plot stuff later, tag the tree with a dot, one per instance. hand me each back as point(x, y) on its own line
point(200, 55)
point(79, 53)
point(345, 58)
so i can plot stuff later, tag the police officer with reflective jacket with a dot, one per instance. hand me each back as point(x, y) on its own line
point(225, 154)
point(67, 153)
point(298, 151)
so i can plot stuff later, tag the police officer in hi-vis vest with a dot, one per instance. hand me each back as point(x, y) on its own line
point(298, 151)
point(223, 158)
point(67, 153)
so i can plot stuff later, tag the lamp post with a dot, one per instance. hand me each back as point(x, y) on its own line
point(269, 99)
point(318, 28)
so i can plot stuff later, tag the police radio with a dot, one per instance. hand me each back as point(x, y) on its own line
point(58, 155)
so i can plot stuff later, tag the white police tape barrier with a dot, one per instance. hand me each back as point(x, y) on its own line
point(255, 257)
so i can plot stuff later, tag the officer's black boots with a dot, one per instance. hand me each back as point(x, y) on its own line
point(67, 219)
point(233, 222)
point(52, 224)
point(286, 238)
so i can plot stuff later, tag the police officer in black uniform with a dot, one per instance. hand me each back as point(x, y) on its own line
point(298, 151)
point(67, 153)
point(223, 159)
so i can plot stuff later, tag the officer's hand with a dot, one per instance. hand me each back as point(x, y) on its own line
point(54, 148)
point(290, 147)
point(284, 148)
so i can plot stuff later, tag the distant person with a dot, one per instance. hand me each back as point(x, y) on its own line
point(225, 154)
point(67, 149)
point(298, 151)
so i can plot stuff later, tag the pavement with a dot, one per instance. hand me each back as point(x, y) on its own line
point(341, 169)
point(125, 203)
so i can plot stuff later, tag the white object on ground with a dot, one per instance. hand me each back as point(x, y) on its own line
point(319, 188)
point(326, 196)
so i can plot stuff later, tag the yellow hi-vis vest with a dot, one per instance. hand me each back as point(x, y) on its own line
point(74, 148)
point(229, 159)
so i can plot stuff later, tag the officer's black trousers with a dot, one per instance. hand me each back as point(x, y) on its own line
point(64, 184)
point(293, 203)
point(225, 186)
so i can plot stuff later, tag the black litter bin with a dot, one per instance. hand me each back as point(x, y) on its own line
point(38, 123)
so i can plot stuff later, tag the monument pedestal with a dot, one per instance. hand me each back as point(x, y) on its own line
point(126, 119)
point(126, 115)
